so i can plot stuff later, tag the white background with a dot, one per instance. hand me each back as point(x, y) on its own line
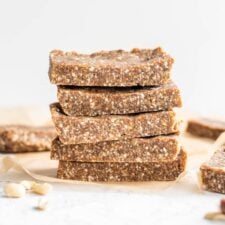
point(192, 31)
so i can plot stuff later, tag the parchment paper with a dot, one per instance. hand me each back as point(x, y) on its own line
point(38, 166)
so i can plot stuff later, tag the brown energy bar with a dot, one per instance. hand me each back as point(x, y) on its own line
point(208, 128)
point(213, 172)
point(76, 130)
point(17, 138)
point(144, 67)
point(161, 148)
point(123, 171)
point(78, 101)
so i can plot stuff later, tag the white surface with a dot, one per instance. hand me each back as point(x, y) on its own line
point(72, 204)
point(192, 31)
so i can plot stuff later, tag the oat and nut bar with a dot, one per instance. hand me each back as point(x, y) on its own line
point(76, 130)
point(160, 148)
point(212, 173)
point(18, 138)
point(123, 171)
point(79, 101)
point(144, 67)
point(204, 127)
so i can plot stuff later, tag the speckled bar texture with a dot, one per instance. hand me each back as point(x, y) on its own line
point(144, 67)
point(105, 101)
point(16, 139)
point(76, 130)
point(213, 172)
point(204, 127)
point(115, 172)
point(161, 148)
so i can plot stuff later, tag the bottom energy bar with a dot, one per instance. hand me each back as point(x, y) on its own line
point(115, 172)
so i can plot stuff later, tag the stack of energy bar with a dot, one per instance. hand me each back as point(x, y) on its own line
point(115, 118)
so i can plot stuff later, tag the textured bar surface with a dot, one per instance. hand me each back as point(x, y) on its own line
point(213, 172)
point(204, 127)
point(113, 172)
point(25, 138)
point(144, 67)
point(76, 130)
point(105, 101)
point(159, 148)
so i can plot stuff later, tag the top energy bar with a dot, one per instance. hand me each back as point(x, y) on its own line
point(118, 68)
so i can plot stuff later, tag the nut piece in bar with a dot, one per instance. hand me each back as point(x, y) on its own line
point(144, 67)
point(212, 173)
point(78, 101)
point(208, 128)
point(76, 130)
point(18, 138)
point(160, 148)
point(123, 171)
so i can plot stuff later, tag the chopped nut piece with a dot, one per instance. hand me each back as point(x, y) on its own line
point(215, 216)
point(13, 190)
point(41, 189)
point(222, 206)
point(42, 204)
point(28, 184)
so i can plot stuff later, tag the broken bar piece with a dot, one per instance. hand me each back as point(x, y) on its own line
point(76, 130)
point(18, 138)
point(160, 148)
point(212, 173)
point(208, 128)
point(144, 67)
point(78, 101)
point(123, 171)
